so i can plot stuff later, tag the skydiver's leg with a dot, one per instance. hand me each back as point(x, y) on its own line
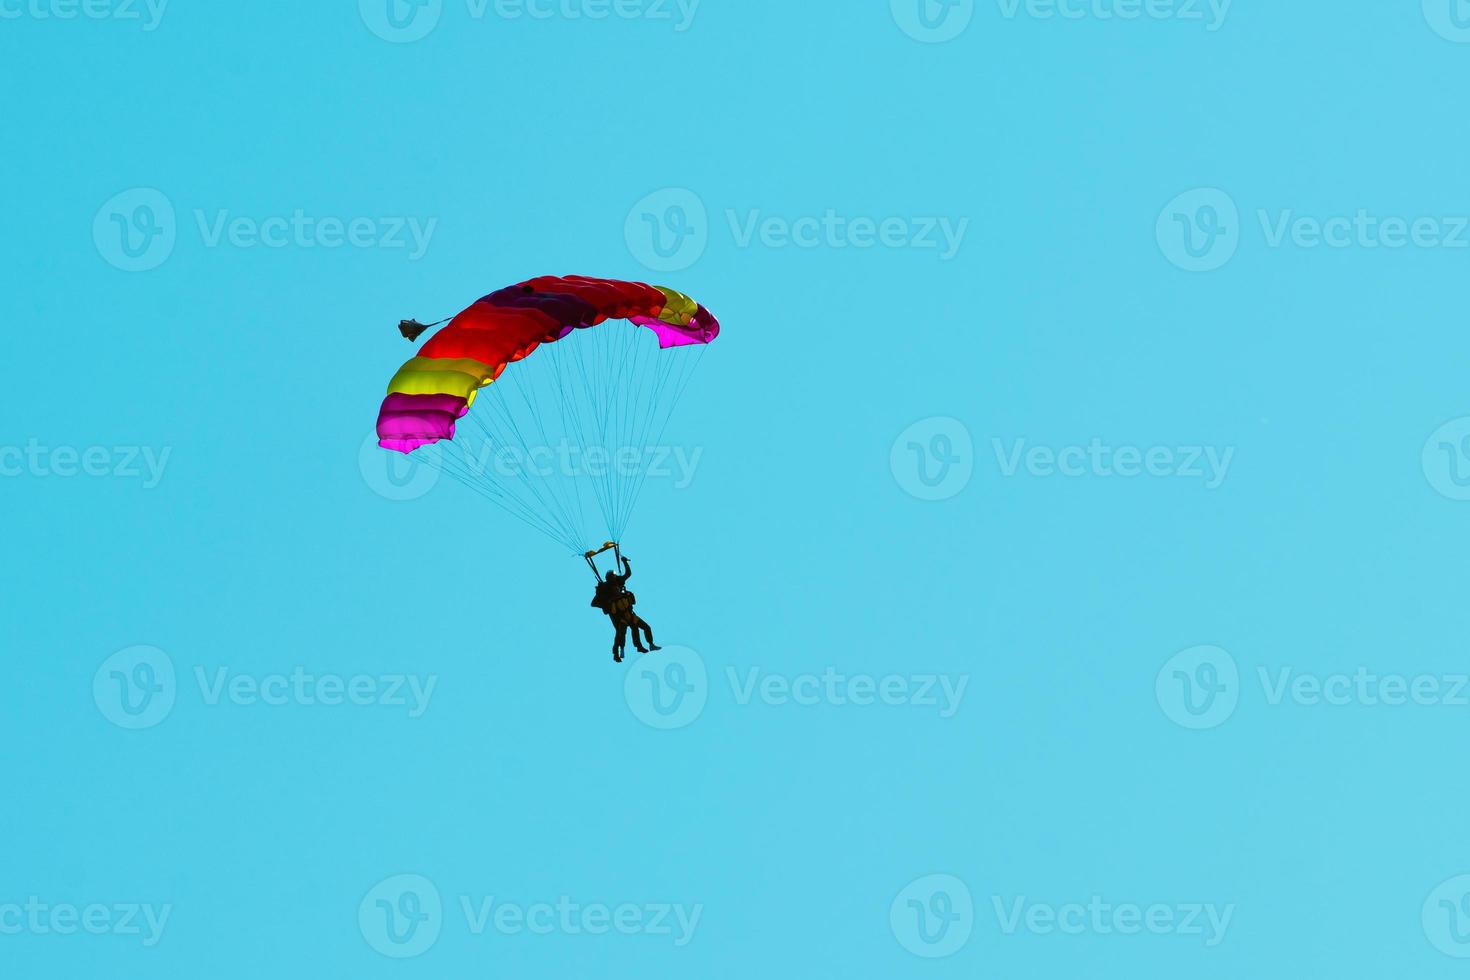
point(641, 623)
point(620, 640)
point(633, 621)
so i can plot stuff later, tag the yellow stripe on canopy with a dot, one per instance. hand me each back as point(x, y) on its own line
point(678, 308)
point(441, 376)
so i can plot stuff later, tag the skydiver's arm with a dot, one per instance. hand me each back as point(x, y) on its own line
point(627, 570)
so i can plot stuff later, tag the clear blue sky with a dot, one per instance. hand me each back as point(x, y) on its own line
point(975, 264)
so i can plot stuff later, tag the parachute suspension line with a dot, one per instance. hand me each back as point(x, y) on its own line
point(498, 408)
point(599, 384)
point(499, 431)
point(539, 504)
point(532, 402)
point(574, 419)
point(449, 464)
point(465, 472)
point(641, 411)
point(596, 403)
point(633, 431)
point(691, 361)
point(579, 420)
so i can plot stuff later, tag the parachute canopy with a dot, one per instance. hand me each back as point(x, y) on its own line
point(438, 386)
point(578, 418)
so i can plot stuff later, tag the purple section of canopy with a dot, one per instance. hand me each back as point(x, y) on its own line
point(407, 420)
point(701, 329)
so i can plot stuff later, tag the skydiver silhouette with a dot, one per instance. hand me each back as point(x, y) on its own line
point(612, 597)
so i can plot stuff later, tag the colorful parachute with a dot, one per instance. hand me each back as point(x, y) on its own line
point(583, 399)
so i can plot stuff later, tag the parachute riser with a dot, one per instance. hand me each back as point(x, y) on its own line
point(610, 546)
